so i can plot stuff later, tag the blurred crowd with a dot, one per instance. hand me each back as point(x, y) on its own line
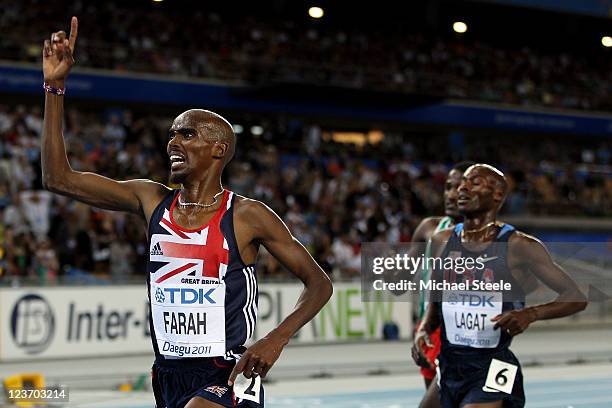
point(202, 44)
point(332, 195)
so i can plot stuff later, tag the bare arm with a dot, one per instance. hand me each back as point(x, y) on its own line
point(425, 229)
point(270, 231)
point(135, 196)
point(528, 252)
point(275, 236)
point(431, 319)
point(421, 235)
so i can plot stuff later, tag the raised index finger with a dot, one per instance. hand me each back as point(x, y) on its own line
point(238, 368)
point(74, 30)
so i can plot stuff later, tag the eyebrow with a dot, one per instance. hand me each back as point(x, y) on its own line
point(182, 130)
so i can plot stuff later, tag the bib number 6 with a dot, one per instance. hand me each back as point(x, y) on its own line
point(500, 378)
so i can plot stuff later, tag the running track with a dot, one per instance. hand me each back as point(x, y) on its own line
point(556, 386)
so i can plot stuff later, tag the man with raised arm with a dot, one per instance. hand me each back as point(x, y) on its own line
point(203, 244)
point(481, 307)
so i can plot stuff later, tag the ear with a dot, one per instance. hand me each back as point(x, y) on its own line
point(219, 150)
point(498, 194)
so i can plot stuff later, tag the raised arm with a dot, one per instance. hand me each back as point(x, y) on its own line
point(135, 196)
point(270, 231)
point(527, 252)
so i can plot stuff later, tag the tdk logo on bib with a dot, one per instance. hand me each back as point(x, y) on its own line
point(185, 296)
point(472, 300)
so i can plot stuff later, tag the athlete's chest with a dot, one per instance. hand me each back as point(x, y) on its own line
point(182, 255)
point(497, 263)
point(487, 264)
point(191, 219)
point(187, 256)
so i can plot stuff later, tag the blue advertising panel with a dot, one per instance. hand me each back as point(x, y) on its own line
point(157, 90)
point(600, 8)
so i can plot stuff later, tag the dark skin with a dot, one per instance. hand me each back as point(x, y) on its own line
point(423, 233)
point(481, 194)
point(427, 226)
point(205, 143)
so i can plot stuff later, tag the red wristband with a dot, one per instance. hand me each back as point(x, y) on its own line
point(56, 91)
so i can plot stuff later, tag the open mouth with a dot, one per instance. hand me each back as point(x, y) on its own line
point(176, 160)
point(463, 199)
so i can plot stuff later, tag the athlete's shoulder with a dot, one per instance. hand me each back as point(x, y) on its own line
point(251, 210)
point(435, 220)
point(256, 219)
point(442, 235)
point(150, 193)
point(149, 187)
point(425, 229)
point(520, 238)
point(439, 240)
point(248, 206)
point(526, 247)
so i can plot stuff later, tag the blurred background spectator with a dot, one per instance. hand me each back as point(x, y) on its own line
point(332, 195)
point(366, 49)
point(334, 184)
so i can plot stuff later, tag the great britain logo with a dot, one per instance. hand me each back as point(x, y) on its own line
point(189, 254)
point(217, 390)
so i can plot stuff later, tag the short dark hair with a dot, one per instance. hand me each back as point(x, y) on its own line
point(463, 166)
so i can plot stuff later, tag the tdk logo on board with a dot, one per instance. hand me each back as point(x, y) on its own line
point(185, 296)
point(475, 300)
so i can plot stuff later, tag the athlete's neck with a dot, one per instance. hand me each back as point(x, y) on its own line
point(478, 227)
point(202, 191)
point(455, 219)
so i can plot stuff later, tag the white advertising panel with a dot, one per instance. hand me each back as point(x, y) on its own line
point(73, 322)
point(344, 318)
point(37, 323)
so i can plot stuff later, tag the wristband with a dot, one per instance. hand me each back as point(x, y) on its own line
point(56, 91)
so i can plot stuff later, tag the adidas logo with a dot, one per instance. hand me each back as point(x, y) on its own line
point(156, 250)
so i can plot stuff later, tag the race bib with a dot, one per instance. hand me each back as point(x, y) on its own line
point(500, 377)
point(248, 389)
point(467, 318)
point(189, 321)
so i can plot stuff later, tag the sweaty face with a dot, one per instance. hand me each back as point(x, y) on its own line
point(476, 192)
point(189, 147)
point(450, 193)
